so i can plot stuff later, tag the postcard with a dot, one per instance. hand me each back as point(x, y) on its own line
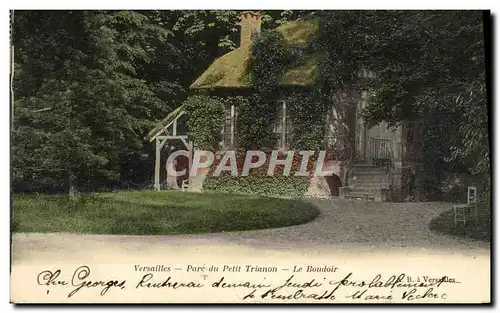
point(264, 156)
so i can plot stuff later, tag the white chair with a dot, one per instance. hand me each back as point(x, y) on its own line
point(466, 212)
point(185, 185)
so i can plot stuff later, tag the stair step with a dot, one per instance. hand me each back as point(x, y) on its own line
point(365, 183)
point(368, 171)
point(360, 195)
point(362, 180)
point(370, 178)
point(365, 194)
point(377, 194)
point(374, 172)
point(369, 187)
point(367, 190)
point(366, 166)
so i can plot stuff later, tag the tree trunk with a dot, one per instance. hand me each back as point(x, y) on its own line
point(73, 189)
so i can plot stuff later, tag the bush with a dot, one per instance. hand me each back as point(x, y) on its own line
point(258, 182)
point(276, 186)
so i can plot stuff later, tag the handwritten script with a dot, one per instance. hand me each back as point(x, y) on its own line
point(333, 285)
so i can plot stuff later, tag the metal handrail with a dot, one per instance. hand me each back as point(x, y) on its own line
point(380, 148)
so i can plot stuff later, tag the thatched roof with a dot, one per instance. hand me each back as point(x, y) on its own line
point(229, 70)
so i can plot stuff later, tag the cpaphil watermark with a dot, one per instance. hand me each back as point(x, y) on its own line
point(254, 159)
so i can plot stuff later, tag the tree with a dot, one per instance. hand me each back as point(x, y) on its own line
point(87, 68)
point(429, 66)
point(90, 84)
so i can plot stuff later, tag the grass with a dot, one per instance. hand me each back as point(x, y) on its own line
point(445, 224)
point(155, 213)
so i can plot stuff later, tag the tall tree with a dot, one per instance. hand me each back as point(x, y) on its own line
point(83, 102)
point(90, 84)
point(429, 66)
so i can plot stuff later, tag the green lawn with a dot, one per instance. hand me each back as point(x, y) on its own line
point(445, 224)
point(155, 213)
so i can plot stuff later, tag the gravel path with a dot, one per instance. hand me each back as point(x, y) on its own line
point(343, 225)
point(364, 238)
point(370, 224)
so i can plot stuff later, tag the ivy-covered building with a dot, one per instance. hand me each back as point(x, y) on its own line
point(373, 162)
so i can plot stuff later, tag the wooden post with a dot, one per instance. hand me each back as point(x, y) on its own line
point(190, 160)
point(232, 126)
point(157, 164)
point(283, 127)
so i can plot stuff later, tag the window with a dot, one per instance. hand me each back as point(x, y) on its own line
point(229, 128)
point(283, 126)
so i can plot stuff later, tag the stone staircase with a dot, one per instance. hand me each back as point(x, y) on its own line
point(366, 181)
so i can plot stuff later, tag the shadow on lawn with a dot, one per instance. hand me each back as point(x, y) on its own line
point(445, 224)
point(156, 213)
point(183, 218)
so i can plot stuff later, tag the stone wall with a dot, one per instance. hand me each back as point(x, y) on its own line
point(326, 187)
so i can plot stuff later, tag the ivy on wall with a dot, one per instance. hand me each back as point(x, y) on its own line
point(308, 115)
point(266, 66)
point(206, 119)
point(258, 182)
point(276, 186)
point(255, 124)
point(269, 59)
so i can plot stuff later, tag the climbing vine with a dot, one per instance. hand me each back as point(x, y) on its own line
point(404, 87)
point(269, 60)
point(258, 182)
point(307, 111)
point(265, 66)
point(271, 57)
point(205, 120)
point(427, 67)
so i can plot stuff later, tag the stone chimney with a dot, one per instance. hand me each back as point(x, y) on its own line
point(250, 26)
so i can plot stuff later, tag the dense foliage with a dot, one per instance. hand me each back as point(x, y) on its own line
point(88, 86)
point(269, 60)
point(266, 65)
point(275, 186)
point(206, 118)
point(430, 67)
point(85, 94)
point(258, 181)
point(429, 71)
point(257, 116)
